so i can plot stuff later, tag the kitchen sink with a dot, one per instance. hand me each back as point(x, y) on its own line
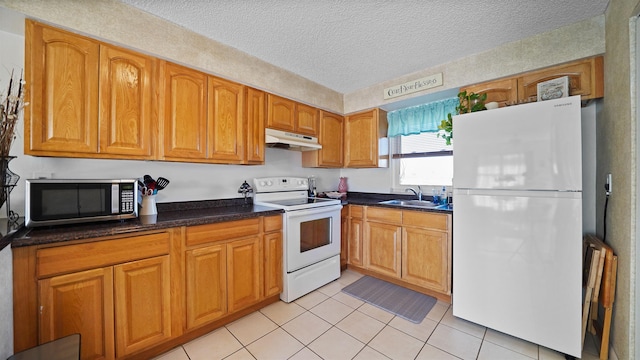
point(412, 203)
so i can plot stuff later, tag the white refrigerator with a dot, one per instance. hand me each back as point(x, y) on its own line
point(517, 221)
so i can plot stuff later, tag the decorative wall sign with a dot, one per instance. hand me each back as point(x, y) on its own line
point(413, 86)
point(553, 89)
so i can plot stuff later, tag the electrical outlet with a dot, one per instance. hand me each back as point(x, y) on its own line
point(608, 185)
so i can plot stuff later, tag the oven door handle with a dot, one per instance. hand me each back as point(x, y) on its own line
point(313, 211)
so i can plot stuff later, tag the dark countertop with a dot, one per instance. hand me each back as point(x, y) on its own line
point(174, 215)
point(373, 199)
point(169, 215)
point(8, 229)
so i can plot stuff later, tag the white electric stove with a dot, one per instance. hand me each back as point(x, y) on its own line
point(311, 233)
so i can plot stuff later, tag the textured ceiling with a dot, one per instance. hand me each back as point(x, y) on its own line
point(347, 45)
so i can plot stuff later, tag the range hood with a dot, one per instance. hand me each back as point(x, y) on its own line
point(290, 141)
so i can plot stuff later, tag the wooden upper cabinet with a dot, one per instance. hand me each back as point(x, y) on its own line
point(287, 115)
point(255, 114)
point(330, 135)
point(362, 134)
point(62, 83)
point(126, 95)
point(503, 91)
point(281, 113)
point(226, 135)
point(586, 78)
point(184, 106)
point(306, 120)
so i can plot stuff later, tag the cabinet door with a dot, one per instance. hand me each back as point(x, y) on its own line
point(330, 136)
point(142, 304)
point(355, 252)
point(272, 264)
point(244, 273)
point(504, 91)
point(585, 79)
point(185, 113)
point(361, 140)
point(255, 114)
point(306, 120)
point(383, 248)
point(206, 287)
point(62, 78)
point(125, 102)
point(425, 258)
point(79, 303)
point(281, 113)
point(344, 236)
point(226, 136)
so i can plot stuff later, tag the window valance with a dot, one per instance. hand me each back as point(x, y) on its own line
point(421, 118)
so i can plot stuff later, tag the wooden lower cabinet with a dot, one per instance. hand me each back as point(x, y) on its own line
point(137, 296)
point(206, 284)
point(272, 264)
point(424, 258)
point(130, 301)
point(356, 228)
point(82, 303)
point(142, 304)
point(244, 273)
point(382, 248)
point(344, 237)
point(410, 248)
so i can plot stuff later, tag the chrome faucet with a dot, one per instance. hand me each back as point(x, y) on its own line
point(416, 193)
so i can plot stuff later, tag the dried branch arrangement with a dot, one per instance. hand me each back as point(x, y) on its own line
point(10, 107)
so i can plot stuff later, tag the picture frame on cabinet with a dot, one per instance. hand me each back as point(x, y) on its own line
point(553, 89)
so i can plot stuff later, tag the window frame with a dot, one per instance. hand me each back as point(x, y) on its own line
point(394, 164)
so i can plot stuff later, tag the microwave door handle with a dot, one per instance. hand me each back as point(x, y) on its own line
point(115, 199)
point(313, 211)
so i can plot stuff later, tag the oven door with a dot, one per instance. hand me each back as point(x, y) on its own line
point(311, 235)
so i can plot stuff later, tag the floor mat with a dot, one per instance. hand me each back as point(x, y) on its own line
point(407, 304)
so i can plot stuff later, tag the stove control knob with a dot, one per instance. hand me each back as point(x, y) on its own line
point(262, 183)
point(269, 183)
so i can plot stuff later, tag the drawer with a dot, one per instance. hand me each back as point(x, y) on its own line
point(228, 230)
point(385, 215)
point(425, 220)
point(72, 258)
point(272, 223)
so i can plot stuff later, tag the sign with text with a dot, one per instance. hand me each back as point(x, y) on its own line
point(413, 86)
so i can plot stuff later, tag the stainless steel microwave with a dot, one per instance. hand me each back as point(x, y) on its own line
point(64, 201)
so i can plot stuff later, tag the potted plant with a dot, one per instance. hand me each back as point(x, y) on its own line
point(469, 102)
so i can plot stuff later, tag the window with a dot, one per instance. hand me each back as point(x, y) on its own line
point(422, 159)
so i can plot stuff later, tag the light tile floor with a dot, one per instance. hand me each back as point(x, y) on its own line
point(328, 324)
